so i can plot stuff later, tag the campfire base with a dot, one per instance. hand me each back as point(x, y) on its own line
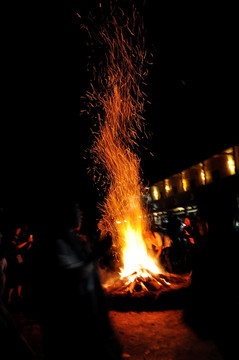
point(157, 292)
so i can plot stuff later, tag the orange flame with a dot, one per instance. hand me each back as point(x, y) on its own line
point(135, 253)
point(122, 101)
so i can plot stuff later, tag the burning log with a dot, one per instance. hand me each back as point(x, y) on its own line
point(154, 284)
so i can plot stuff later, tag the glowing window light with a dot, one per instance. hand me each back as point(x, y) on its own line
point(231, 165)
point(167, 186)
point(184, 184)
point(184, 181)
point(155, 192)
point(203, 177)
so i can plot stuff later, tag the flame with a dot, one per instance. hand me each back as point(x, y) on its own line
point(135, 254)
point(114, 149)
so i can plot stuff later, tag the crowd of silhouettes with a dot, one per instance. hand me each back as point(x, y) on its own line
point(177, 242)
point(49, 269)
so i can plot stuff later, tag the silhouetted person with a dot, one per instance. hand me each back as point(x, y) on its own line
point(13, 345)
point(213, 302)
point(75, 315)
point(19, 244)
point(3, 266)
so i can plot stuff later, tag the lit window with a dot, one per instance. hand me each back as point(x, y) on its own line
point(203, 176)
point(167, 186)
point(231, 164)
point(155, 193)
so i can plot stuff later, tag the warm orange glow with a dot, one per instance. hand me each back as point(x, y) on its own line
point(114, 149)
point(231, 164)
point(203, 177)
point(155, 193)
point(167, 186)
point(135, 253)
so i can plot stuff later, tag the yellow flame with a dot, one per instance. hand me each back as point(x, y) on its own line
point(135, 254)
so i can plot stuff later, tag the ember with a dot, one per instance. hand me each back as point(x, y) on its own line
point(124, 217)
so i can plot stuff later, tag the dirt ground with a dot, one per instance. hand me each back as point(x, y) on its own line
point(160, 335)
point(146, 335)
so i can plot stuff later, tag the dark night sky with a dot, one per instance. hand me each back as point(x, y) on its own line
point(191, 87)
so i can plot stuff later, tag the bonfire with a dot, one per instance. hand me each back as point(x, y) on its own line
point(114, 152)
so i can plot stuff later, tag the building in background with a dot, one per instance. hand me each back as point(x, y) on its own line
point(179, 192)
